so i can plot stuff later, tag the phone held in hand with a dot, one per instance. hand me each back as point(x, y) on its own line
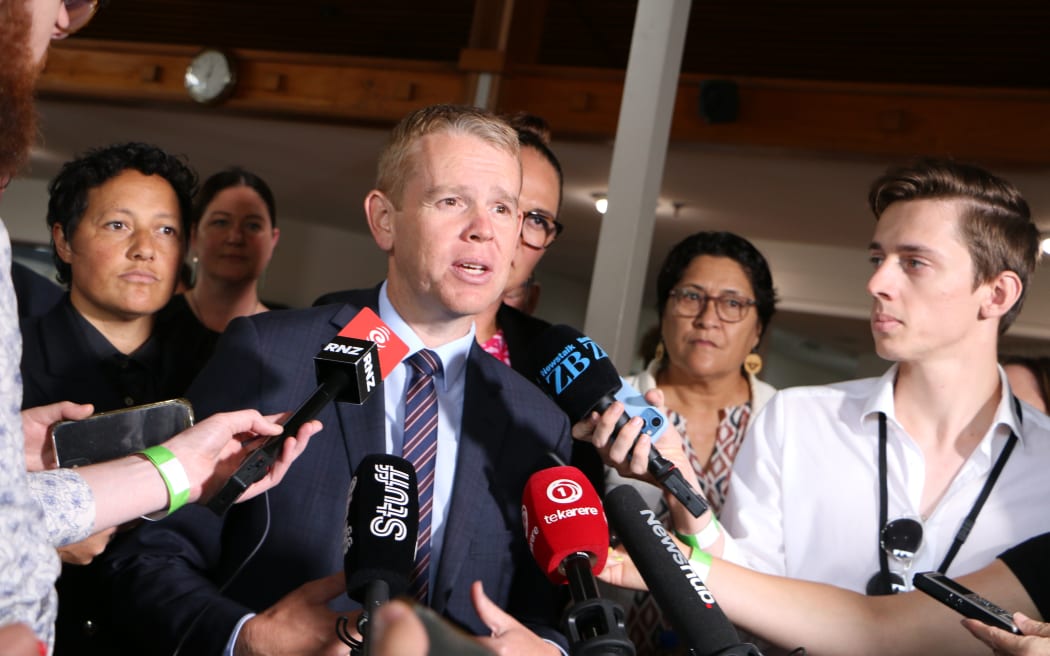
point(965, 601)
point(117, 433)
point(635, 405)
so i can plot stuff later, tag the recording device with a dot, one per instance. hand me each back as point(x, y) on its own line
point(350, 368)
point(568, 536)
point(682, 596)
point(576, 372)
point(965, 601)
point(115, 434)
point(382, 525)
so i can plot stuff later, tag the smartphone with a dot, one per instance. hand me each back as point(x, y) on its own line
point(114, 434)
point(635, 405)
point(965, 601)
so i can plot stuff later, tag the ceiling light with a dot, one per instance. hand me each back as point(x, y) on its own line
point(601, 203)
point(1045, 245)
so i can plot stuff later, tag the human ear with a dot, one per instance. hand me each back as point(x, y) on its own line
point(62, 247)
point(1002, 293)
point(380, 213)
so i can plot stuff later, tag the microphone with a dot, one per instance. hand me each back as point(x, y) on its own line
point(577, 374)
point(681, 595)
point(569, 538)
point(349, 368)
point(382, 525)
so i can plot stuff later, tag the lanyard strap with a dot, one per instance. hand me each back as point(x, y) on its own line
point(884, 565)
point(971, 518)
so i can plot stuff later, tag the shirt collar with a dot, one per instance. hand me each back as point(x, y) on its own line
point(881, 400)
point(453, 355)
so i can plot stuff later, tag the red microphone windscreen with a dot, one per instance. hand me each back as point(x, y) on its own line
point(563, 515)
point(367, 325)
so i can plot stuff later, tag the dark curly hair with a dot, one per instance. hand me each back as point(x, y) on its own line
point(68, 192)
point(234, 176)
point(719, 244)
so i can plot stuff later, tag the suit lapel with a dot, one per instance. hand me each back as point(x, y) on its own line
point(480, 442)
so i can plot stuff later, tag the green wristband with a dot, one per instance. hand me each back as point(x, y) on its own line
point(700, 562)
point(174, 475)
point(705, 538)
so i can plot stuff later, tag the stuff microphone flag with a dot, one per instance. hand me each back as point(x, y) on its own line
point(382, 524)
point(568, 536)
point(576, 372)
point(682, 596)
point(350, 368)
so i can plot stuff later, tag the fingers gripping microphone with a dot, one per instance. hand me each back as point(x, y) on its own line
point(681, 595)
point(569, 538)
point(576, 372)
point(350, 368)
point(382, 525)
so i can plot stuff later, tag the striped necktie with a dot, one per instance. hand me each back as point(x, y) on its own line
point(420, 449)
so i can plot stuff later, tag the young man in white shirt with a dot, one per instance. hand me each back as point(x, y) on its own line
point(953, 251)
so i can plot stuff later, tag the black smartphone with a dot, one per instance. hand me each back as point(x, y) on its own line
point(115, 434)
point(965, 601)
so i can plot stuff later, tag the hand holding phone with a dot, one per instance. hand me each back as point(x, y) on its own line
point(965, 601)
point(635, 405)
point(117, 433)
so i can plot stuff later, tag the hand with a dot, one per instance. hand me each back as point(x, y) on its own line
point(83, 552)
point(397, 631)
point(300, 623)
point(36, 426)
point(212, 450)
point(597, 429)
point(509, 636)
point(18, 640)
point(621, 571)
point(1034, 642)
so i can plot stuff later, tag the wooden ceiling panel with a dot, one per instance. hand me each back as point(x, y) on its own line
point(405, 29)
point(940, 42)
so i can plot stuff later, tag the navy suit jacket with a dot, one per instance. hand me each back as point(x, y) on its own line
point(166, 577)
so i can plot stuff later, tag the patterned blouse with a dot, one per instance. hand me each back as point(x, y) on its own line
point(37, 511)
point(646, 626)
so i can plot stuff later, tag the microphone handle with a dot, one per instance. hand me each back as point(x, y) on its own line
point(663, 470)
point(377, 593)
point(258, 462)
point(594, 626)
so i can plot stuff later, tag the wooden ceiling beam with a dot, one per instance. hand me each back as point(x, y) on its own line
point(1001, 126)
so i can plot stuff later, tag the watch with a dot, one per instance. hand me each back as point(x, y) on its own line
point(211, 76)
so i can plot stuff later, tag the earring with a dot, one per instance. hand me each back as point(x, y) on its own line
point(194, 261)
point(753, 363)
point(659, 352)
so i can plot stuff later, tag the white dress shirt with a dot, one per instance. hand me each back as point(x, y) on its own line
point(805, 496)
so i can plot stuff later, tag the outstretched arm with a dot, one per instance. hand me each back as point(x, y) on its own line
point(829, 620)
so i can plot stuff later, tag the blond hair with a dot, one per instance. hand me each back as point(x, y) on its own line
point(397, 162)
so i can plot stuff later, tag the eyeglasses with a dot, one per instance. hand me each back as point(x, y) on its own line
point(80, 14)
point(539, 230)
point(901, 539)
point(690, 303)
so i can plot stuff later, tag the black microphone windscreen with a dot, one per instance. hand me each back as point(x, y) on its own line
point(382, 524)
point(684, 599)
point(572, 369)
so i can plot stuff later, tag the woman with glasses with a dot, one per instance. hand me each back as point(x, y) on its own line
point(715, 298)
point(504, 330)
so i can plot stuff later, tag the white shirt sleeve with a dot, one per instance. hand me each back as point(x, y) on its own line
point(753, 513)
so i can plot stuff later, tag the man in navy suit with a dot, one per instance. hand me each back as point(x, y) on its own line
point(445, 210)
